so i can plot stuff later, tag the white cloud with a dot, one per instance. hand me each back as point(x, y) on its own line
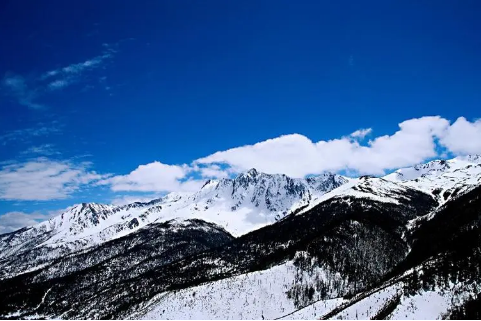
point(27, 90)
point(154, 177)
point(44, 179)
point(13, 221)
point(77, 68)
point(45, 149)
point(297, 156)
point(212, 171)
point(416, 141)
point(129, 199)
point(17, 87)
point(59, 84)
point(361, 133)
point(463, 137)
point(43, 129)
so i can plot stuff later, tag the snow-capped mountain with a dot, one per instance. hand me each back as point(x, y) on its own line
point(325, 247)
point(443, 179)
point(255, 199)
point(240, 205)
point(247, 202)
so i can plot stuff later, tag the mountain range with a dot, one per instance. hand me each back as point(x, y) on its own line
point(406, 245)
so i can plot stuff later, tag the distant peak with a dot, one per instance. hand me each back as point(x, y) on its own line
point(250, 174)
point(474, 158)
point(366, 177)
point(209, 182)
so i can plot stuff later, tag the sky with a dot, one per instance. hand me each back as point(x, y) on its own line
point(111, 102)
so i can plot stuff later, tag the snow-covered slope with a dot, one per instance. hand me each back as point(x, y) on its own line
point(444, 179)
point(370, 189)
point(393, 302)
point(441, 179)
point(256, 295)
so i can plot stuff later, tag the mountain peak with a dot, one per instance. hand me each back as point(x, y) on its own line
point(473, 158)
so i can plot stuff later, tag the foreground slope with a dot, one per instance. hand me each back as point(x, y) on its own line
point(441, 276)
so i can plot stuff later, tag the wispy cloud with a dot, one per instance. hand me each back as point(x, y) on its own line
point(361, 133)
point(58, 84)
point(28, 90)
point(67, 75)
point(16, 85)
point(45, 150)
point(78, 68)
point(25, 134)
point(44, 179)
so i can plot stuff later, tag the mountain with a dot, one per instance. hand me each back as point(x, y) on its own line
point(391, 247)
point(239, 205)
point(442, 178)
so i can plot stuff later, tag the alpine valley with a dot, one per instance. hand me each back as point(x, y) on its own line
point(261, 246)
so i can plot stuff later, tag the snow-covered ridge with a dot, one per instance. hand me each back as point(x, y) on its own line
point(240, 205)
point(250, 201)
point(441, 179)
point(444, 179)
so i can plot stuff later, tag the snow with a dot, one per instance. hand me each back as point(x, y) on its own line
point(244, 204)
point(249, 296)
point(248, 202)
point(370, 306)
point(429, 305)
point(377, 189)
point(434, 178)
point(440, 176)
point(240, 205)
point(255, 295)
point(314, 310)
point(424, 305)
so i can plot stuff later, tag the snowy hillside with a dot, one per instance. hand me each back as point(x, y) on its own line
point(257, 295)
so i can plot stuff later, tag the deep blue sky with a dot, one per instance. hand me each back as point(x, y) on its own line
point(185, 79)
